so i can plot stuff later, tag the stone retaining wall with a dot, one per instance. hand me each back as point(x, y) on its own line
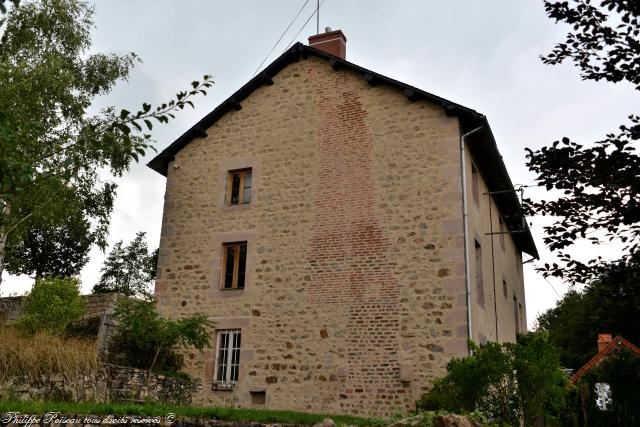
point(110, 383)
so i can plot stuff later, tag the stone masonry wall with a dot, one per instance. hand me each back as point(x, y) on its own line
point(355, 297)
point(95, 305)
point(109, 383)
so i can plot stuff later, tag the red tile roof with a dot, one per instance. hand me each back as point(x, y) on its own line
point(595, 360)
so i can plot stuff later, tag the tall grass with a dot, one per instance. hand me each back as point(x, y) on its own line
point(32, 357)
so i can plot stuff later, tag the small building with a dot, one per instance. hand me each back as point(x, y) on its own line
point(606, 347)
point(346, 232)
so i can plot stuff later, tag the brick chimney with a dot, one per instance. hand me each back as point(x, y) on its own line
point(603, 341)
point(331, 42)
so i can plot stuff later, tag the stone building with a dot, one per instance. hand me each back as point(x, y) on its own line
point(337, 227)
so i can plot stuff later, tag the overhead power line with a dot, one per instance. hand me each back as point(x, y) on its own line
point(281, 36)
point(304, 25)
point(549, 283)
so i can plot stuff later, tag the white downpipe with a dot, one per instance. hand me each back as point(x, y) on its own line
point(465, 227)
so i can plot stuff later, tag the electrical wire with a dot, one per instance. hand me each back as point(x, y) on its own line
point(549, 283)
point(281, 36)
point(303, 26)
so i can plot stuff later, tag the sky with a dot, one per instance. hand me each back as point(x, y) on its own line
point(481, 54)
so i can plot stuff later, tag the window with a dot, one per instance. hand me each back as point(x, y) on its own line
point(475, 185)
point(258, 397)
point(502, 232)
point(239, 187)
point(234, 262)
point(228, 358)
point(504, 287)
point(515, 315)
point(520, 317)
point(479, 282)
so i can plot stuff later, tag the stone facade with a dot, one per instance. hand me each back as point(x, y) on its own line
point(355, 295)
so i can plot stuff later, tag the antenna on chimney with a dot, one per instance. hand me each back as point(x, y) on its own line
point(317, 16)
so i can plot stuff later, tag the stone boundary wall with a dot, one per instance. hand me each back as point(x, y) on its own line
point(95, 305)
point(109, 383)
point(10, 308)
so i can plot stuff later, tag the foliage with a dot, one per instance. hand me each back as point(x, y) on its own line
point(129, 269)
point(53, 153)
point(484, 380)
point(51, 305)
point(34, 356)
point(60, 250)
point(262, 416)
point(149, 341)
point(600, 182)
point(622, 372)
point(610, 304)
point(541, 383)
point(506, 382)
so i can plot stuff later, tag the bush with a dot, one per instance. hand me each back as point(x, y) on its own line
point(146, 340)
point(484, 381)
point(52, 304)
point(507, 382)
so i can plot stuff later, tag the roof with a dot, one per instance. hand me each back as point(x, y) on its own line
point(482, 145)
point(595, 360)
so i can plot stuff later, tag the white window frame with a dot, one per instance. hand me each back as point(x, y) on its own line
point(228, 381)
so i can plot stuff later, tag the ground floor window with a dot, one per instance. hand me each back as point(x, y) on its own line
point(228, 357)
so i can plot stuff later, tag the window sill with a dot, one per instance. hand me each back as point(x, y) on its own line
point(223, 386)
point(229, 292)
point(237, 207)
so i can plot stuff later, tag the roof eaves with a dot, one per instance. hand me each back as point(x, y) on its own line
point(160, 163)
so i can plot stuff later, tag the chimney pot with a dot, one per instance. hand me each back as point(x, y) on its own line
point(603, 341)
point(331, 42)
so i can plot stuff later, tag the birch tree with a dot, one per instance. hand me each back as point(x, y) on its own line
point(54, 153)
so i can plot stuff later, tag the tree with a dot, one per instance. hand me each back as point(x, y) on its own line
point(129, 269)
point(52, 151)
point(610, 304)
point(51, 305)
point(149, 341)
point(600, 183)
point(60, 250)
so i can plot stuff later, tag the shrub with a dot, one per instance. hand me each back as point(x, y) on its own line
point(51, 305)
point(149, 341)
point(507, 382)
point(484, 381)
point(31, 357)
